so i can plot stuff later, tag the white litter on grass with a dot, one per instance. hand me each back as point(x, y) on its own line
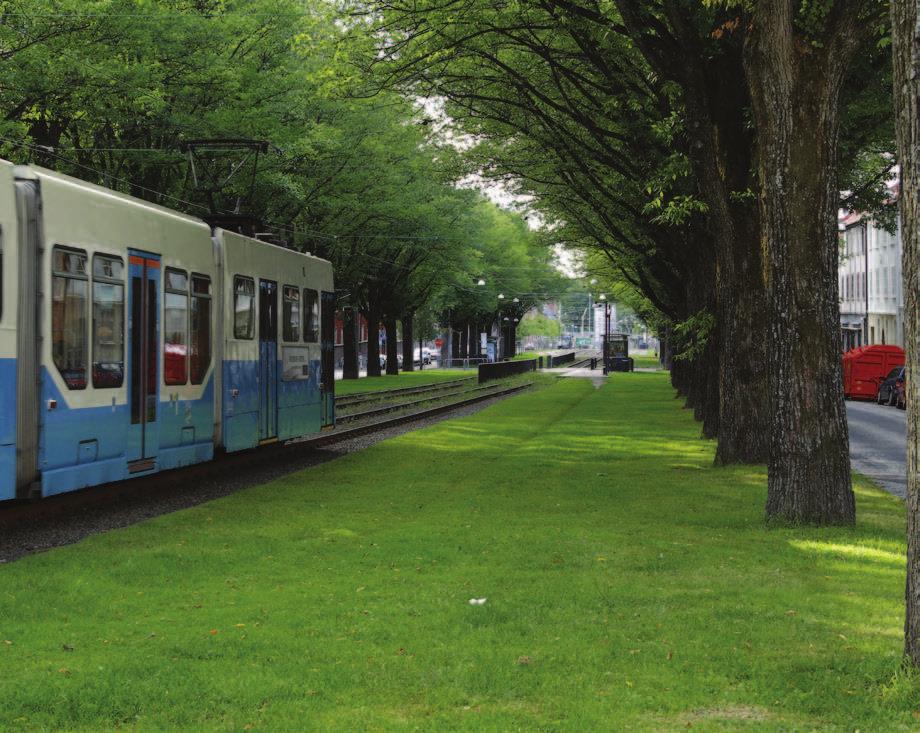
point(477, 601)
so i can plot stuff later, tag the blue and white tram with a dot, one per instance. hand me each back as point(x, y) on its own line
point(133, 339)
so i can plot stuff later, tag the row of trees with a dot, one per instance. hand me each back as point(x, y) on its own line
point(110, 90)
point(699, 148)
point(696, 152)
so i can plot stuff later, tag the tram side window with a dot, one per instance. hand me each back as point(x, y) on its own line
point(108, 321)
point(201, 328)
point(290, 330)
point(175, 327)
point(310, 315)
point(69, 295)
point(244, 307)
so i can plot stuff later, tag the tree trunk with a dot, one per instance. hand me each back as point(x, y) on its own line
point(744, 394)
point(455, 352)
point(373, 340)
point(349, 344)
point(392, 346)
point(795, 89)
point(408, 356)
point(906, 39)
point(464, 339)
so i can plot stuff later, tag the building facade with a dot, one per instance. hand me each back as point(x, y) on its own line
point(869, 279)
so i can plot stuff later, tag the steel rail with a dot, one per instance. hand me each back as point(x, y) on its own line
point(371, 395)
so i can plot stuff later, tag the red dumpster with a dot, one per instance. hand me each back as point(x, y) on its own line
point(866, 367)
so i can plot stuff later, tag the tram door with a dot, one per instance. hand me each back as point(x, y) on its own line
point(143, 359)
point(268, 359)
point(327, 358)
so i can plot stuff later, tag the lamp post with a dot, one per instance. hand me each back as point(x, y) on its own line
point(606, 348)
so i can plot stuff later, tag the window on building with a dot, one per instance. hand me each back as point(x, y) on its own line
point(200, 351)
point(244, 307)
point(69, 295)
point(175, 327)
point(108, 321)
point(290, 314)
point(310, 315)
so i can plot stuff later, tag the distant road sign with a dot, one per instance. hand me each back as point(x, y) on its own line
point(582, 342)
point(439, 342)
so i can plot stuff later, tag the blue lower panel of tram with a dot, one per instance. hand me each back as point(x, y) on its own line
point(86, 446)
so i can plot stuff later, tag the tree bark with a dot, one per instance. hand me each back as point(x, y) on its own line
point(373, 340)
point(795, 89)
point(743, 391)
point(392, 345)
point(408, 356)
point(349, 344)
point(464, 339)
point(906, 50)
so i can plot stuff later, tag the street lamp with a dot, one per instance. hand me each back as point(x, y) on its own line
point(606, 352)
point(501, 296)
point(481, 282)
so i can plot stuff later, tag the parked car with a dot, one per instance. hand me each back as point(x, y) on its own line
point(887, 389)
point(383, 361)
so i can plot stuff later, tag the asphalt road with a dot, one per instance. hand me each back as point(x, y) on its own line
point(878, 444)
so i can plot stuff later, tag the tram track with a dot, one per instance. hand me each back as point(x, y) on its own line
point(33, 526)
point(377, 395)
point(394, 406)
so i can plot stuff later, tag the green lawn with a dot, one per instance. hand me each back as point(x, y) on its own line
point(528, 355)
point(650, 361)
point(630, 586)
point(403, 379)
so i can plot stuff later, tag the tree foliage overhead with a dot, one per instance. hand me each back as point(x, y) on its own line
point(108, 91)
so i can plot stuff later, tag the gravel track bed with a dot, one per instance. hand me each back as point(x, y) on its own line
point(173, 492)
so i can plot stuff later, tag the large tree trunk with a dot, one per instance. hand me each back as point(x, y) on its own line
point(744, 394)
point(349, 344)
point(906, 36)
point(392, 346)
point(795, 89)
point(408, 356)
point(373, 340)
point(455, 353)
